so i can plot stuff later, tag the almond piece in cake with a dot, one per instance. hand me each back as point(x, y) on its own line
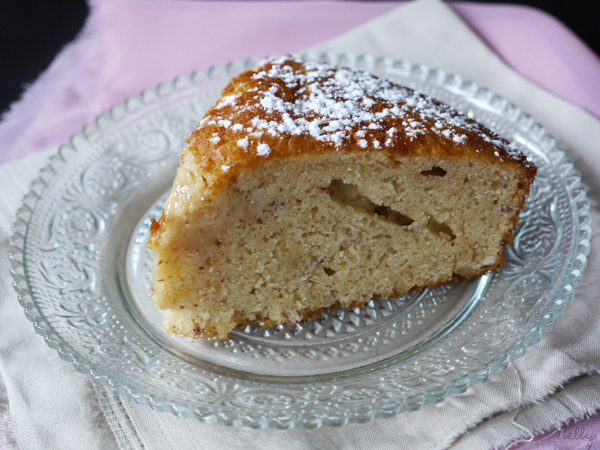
point(309, 186)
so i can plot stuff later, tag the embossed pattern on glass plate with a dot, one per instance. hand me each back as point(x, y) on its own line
point(81, 272)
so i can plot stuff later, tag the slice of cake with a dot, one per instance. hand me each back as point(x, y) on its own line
point(309, 186)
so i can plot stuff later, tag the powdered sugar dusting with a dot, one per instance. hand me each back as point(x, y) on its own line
point(225, 101)
point(263, 150)
point(341, 107)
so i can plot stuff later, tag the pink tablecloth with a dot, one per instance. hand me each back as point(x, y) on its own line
point(129, 45)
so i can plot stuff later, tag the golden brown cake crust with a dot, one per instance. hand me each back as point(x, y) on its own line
point(288, 107)
point(285, 105)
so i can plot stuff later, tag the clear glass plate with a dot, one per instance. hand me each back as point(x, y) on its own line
point(82, 273)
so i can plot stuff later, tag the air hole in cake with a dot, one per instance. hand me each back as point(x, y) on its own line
point(435, 171)
point(329, 271)
point(349, 195)
point(440, 229)
point(393, 216)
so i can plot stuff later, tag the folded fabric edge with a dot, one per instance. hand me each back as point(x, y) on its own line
point(514, 404)
point(7, 441)
point(518, 436)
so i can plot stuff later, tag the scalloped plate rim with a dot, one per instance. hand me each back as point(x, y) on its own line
point(21, 285)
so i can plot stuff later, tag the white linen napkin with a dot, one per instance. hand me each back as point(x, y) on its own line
point(48, 405)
